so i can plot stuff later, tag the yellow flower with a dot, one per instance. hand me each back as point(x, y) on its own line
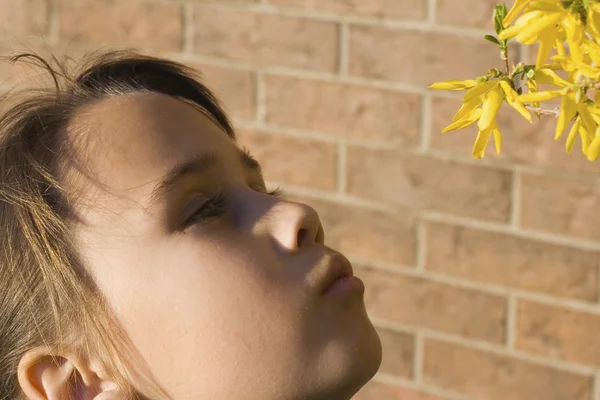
point(515, 10)
point(511, 98)
point(545, 21)
point(593, 19)
point(568, 110)
point(481, 103)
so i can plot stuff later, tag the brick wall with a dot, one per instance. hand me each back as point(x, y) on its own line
point(483, 275)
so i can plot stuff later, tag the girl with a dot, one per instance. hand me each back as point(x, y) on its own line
point(141, 255)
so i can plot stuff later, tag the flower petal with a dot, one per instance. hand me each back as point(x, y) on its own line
point(548, 77)
point(573, 135)
point(479, 90)
point(498, 140)
point(539, 96)
point(466, 108)
point(491, 104)
point(568, 109)
point(454, 84)
point(511, 99)
point(547, 40)
point(515, 10)
point(469, 119)
point(481, 142)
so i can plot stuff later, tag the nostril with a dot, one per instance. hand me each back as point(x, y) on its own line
point(302, 236)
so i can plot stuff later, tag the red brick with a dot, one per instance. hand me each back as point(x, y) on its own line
point(301, 162)
point(489, 376)
point(235, 88)
point(512, 262)
point(524, 143)
point(417, 57)
point(347, 111)
point(400, 9)
point(266, 40)
point(559, 333)
point(467, 13)
point(398, 355)
point(422, 182)
point(367, 234)
point(423, 303)
point(375, 390)
point(23, 17)
point(561, 206)
point(134, 23)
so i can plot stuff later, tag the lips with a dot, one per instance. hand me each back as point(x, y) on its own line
point(338, 268)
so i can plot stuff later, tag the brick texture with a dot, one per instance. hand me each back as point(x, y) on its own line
point(466, 13)
point(512, 262)
point(417, 57)
point(236, 89)
point(330, 96)
point(561, 206)
point(134, 23)
point(429, 184)
point(365, 114)
point(420, 302)
point(265, 39)
point(397, 9)
point(23, 17)
point(556, 332)
point(398, 359)
point(484, 375)
point(367, 234)
point(301, 162)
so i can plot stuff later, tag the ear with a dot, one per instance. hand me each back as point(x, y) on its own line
point(45, 376)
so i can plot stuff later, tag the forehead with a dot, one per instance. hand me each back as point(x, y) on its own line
point(132, 140)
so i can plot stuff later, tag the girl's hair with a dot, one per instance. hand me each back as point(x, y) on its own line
point(46, 297)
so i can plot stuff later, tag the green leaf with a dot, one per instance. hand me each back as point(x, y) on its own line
point(492, 39)
point(499, 14)
point(531, 74)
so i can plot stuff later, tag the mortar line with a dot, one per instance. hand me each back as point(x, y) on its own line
point(342, 168)
point(482, 287)
point(426, 113)
point(189, 28)
point(418, 357)
point(343, 49)
point(421, 243)
point(515, 211)
point(486, 347)
point(431, 11)
point(511, 322)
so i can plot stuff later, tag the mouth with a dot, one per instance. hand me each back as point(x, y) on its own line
point(339, 277)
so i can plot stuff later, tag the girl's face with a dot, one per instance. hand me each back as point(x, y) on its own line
point(219, 284)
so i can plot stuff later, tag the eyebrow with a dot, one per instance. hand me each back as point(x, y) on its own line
point(195, 166)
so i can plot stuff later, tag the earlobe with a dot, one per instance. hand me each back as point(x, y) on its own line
point(44, 376)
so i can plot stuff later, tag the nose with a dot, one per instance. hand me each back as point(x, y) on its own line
point(296, 226)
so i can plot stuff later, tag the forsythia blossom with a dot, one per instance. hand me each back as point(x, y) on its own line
point(572, 29)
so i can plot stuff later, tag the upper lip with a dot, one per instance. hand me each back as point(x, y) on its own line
point(338, 267)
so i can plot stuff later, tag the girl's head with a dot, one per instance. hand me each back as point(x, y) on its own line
point(142, 255)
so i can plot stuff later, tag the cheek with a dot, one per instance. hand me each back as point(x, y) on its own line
point(218, 300)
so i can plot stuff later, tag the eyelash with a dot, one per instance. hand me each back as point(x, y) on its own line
point(215, 207)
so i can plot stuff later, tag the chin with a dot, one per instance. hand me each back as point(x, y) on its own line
point(353, 359)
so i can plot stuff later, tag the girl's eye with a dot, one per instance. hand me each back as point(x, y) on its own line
point(216, 207)
point(277, 192)
point(211, 208)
